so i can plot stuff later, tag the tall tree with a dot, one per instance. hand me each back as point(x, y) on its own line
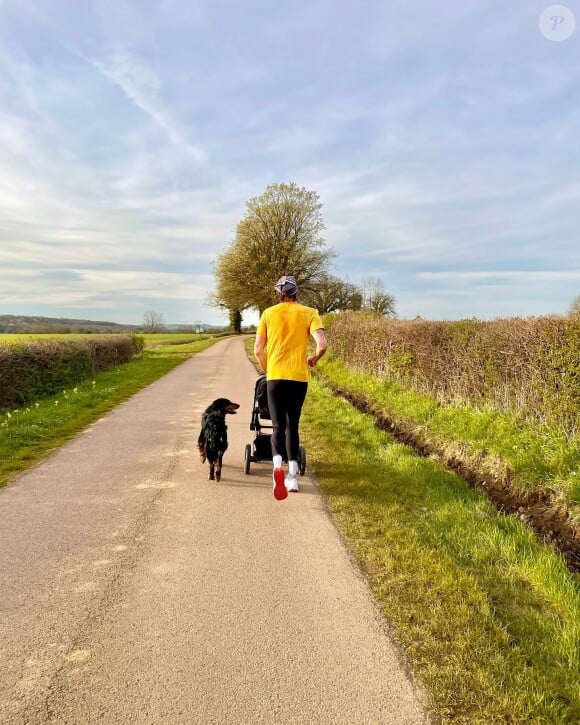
point(376, 298)
point(330, 294)
point(236, 321)
point(280, 233)
point(153, 321)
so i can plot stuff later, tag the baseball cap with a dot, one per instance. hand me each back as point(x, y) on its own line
point(286, 285)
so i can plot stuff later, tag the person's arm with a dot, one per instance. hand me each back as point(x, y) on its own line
point(259, 347)
point(320, 340)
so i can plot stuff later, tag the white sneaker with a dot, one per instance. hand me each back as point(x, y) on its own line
point(292, 484)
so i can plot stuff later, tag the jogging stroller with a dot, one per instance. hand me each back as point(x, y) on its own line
point(261, 449)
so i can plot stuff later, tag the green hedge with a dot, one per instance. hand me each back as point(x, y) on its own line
point(530, 366)
point(36, 369)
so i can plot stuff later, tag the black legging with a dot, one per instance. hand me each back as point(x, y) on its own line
point(285, 399)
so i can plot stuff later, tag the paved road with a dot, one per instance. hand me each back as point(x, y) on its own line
point(133, 590)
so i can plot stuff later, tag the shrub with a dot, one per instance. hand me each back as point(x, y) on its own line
point(530, 366)
point(32, 370)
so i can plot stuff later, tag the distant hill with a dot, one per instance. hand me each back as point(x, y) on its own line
point(33, 324)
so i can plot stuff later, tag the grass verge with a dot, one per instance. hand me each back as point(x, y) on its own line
point(533, 455)
point(28, 434)
point(488, 615)
point(528, 469)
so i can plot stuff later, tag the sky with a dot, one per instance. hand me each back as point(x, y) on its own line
point(442, 138)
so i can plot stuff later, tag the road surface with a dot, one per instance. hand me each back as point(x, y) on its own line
point(134, 590)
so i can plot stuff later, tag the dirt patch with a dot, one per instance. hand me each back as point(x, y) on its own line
point(542, 508)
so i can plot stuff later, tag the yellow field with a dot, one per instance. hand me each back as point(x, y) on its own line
point(10, 339)
point(173, 338)
point(150, 340)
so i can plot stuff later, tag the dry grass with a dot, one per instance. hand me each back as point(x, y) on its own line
point(527, 366)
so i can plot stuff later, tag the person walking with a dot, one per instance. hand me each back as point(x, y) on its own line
point(286, 329)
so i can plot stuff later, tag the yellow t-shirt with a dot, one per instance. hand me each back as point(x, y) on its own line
point(287, 328)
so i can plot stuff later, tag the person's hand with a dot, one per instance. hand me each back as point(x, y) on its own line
point(312, 360)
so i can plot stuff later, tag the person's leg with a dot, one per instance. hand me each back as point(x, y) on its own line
point(277, 407)
point(278, 414)
point(295, 400)
point(295, 396)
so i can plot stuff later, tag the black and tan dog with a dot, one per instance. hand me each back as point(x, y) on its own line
point(213, 438)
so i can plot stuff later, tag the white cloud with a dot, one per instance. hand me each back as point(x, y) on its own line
point(142, 86)
point(567, 194)
point(437, 141)
point(521, 276)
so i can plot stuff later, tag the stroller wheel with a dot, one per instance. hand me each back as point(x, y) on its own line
point(302, 460)
point(247, 458)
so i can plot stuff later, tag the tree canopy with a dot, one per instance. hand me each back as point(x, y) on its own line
point(280, 233)
point(153, 321)
point(376, 298)
point(331, 294)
